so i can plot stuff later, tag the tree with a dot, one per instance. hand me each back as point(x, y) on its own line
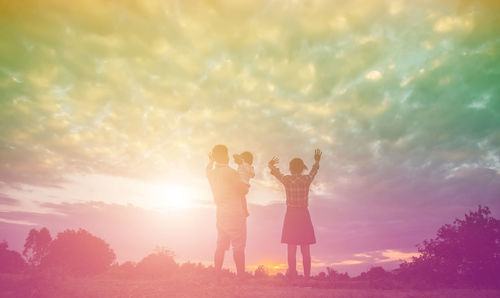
point(79, 253)
point(10, 261)
point(36, 246)
point(334, 275)
point(376, 273)
point(465, 253)
point(321, 275)
point(158, 263)
point(378, 278)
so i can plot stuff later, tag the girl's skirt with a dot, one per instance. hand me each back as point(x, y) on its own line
point(297, 227)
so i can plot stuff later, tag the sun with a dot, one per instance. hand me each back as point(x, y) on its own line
point(173, 196)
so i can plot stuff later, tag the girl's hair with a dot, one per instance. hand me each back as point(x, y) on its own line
point(247, 156)
point(297, 166)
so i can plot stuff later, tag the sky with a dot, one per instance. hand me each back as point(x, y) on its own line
point(109, 108)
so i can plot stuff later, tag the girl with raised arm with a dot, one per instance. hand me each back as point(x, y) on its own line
point(297, 226)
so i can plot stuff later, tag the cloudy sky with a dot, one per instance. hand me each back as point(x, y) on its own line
point(108, 110)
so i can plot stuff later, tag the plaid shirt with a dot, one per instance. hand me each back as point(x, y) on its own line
point(296, 186)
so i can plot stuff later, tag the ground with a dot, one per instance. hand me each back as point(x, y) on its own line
point(109, 286)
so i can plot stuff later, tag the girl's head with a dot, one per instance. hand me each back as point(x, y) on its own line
point(219, 153)
point(247, 157)
point(297, 166)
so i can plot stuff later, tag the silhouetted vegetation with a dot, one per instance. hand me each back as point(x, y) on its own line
point(10, 261)
point(159, 263)
point(71, 252)
point(78, 252)
point(261, 272)
point(463, 254)
point(378, 278)
point(36, 246)
point(334, 275)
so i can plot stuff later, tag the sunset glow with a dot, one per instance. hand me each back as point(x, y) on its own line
point(173, 196)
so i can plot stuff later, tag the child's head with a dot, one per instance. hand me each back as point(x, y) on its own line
point(247, 157)
point(219, 154)
point(297, 166)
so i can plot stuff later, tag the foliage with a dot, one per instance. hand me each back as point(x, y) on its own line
point(79, 253)
point(261, 272)
point(36, 246)
point(465, 253)
point(10, 261)
point(333, 275)
point(378, 278)
point(157, 264)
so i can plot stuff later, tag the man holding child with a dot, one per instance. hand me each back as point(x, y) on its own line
point(228, 190)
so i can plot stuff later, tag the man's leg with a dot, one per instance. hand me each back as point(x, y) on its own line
point(239, 260)
point(218, 259)
point(306, 260)
point(292, 251)
point(239, 243)
point(222, 245)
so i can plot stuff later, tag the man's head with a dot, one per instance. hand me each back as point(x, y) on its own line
point(297, 166)
point(219, 154)
point(247, 157)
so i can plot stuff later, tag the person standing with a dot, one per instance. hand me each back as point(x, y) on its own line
point(297, 225)
point(228, 191)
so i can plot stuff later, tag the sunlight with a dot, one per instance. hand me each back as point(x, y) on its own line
point(270, 267)
point(172, 196)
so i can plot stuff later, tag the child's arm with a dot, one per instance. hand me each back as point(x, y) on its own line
point(315, 167)
point(274, 170)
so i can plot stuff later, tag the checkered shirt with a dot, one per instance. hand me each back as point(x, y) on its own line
point(296, 186)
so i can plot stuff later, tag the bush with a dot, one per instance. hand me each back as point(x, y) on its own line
point(379, 278)
point(261, 272)
point(465, 253)
point(157, 264)
point(10, 261)
point(334, 276)
point(78, 253)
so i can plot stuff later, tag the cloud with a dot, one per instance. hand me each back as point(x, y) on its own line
point(5, 200)
point(389, 259)
point(103, 90)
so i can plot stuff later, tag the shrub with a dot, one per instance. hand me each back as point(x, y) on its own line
point(79, 253)
point(465, 253)
point(160, 263)
point(261, 272)
point(10, 261)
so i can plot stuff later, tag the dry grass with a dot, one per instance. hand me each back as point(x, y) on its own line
point(109, 286)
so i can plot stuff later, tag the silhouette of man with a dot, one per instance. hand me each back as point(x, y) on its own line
point(227, 190)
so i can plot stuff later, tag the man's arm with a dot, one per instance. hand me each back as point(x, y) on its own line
point(210, 164)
